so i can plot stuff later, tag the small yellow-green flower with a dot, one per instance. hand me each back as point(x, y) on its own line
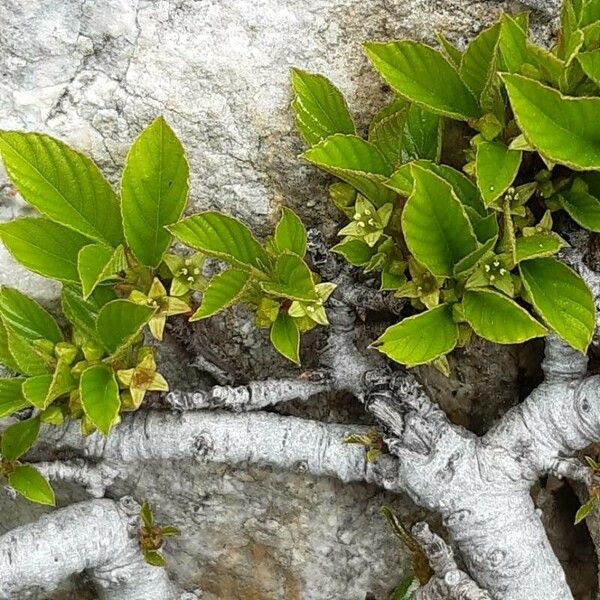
point(368, 223)
point(164, 305)
point(140, 379)
point(315, 311)
point(423, 286)
point(187, 273)
point(494, 270)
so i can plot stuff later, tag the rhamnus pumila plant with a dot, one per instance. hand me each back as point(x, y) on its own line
point(120, 279)
point(470, 245)
point(451, 198)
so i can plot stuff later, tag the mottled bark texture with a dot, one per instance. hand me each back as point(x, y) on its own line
point(97, 537)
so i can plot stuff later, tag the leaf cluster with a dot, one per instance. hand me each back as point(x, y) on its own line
point(472, 249)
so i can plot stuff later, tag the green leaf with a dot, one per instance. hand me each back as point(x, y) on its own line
point(537, 246)
point(223, 290)
point(154, 190)
point(63, 184)
point(26, 317)
point(223, 237)
point(42, 390)
point(11, 397)
point(154, 558)
point(453, 54)
point(513, 44)
point(356, 162)
point(496, 167)
point(355, 251)
point(18, 438)
point(422, 135)
point(28, 361)
point(406, 589)
point(590, 63)
point(582, 207)
point(292, 279)
point(421, 338)
point(497, 318)
point(479, 59)
point(387, 135)
point(146, 515)
point(285, 337)
point(6, 358)
point(564, 130)
point(31, 484)
point(97, 263)
point(585, 509)
point(436, 228)
point(119, 322)
point(423, 76)
point(99, 393)
point(290, 233)
point(464, 265)
point(485, 228)
point(44, 247)
point(466, 191)
point(169, 531)
point(562, 299)
point(83, 313)
point(590, 13)
point(319, 107)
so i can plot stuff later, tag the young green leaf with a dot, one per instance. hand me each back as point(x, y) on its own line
point(453, 54)
point(97, 263)
point(356, 162)
point(31, 484)
point(436, 228)
point(422, 135)
point(496, 168)
point(421, 338)
point(582, 207)
point(99, 393)
point(479, 59)
point(290, 233)
point(154, 558)
point(562, 299)
point(356, 251)
point(223, 237)
point(564, 130)
point(63, 184)
point(585, 509)
point(292, 279)
point(18, 438)
point(497, 318)
point(223, 290)
point(537, 246)
point(146, 515)
point(406, 589)
point(590, 63)
point(119, 322)
point(319, 107)
point(464, 265)
point(11, 397)
point(26, 317)
point(285, 337)
point(423, 76)
point(44, 247)
point(154, 190)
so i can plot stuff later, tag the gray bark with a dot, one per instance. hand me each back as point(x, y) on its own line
point(97, 537)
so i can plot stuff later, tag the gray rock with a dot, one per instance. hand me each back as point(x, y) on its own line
point(94, 74)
